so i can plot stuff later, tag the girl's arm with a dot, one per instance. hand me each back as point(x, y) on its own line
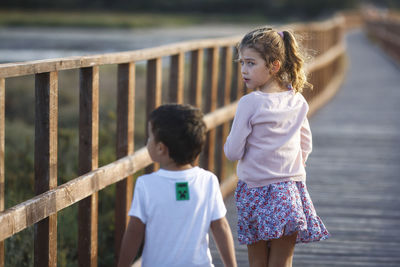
point(223, 239)
point(131, 242)
point(235, 144)
point(306, 140)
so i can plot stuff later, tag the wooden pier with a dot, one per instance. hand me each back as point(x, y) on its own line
point(353, 172)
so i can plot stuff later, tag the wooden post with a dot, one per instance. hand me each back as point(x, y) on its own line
point(125, 146)
point(211, 105)
point(239, 81)
point(88, 160)
point(176, 78)
point(2, 136)
point(196, 77)
point(154, 93)
point(226, 79)
point(46, 113)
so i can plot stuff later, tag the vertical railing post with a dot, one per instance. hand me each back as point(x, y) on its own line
point(211, 104)
point(154, 93)
point(176, 78)
point(46, 113)
point(125, 146)
point(225, 99)
point(196, 77)
point(2, 136)
point(88, 160)
point(239, 81)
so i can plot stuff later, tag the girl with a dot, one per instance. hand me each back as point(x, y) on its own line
point(271, 138)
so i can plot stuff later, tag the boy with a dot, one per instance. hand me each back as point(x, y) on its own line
point(174, 207)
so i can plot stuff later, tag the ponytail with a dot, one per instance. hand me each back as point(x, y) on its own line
point(293, 64)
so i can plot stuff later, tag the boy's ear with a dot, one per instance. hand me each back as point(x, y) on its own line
point(162, 149)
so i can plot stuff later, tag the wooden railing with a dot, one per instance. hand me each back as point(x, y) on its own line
point(217, 95)
point(384, 27)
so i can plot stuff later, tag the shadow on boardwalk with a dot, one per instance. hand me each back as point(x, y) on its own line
point(354, 170)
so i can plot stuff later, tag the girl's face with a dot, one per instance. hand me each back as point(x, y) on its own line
point(254, 70)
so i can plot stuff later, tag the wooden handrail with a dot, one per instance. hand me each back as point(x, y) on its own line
point(52, 201)
point(35, 209)
point(107, 175)
point(385, 29)
point(216, 100)
point(40, 66)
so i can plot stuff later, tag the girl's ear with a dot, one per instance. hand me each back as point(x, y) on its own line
point(276, 66)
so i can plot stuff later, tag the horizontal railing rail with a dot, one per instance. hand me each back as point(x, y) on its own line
point(384, 28)
point(214, 85)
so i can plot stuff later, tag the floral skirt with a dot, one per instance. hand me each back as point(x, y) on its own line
point(269, 212)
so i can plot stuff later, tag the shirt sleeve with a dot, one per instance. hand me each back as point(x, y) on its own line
point(138, 206)
point(219, 209)
point(235, 145)
point(306, 140)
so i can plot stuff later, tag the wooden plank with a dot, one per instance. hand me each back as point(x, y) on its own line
point(88, 161)
point(176, 78)
point(2, 138)
point(386, 36)
point(23, 215)
point(228, 52)
point(210, 105)
point(46, 113)
point(326, 58)
point(40, 66)
point(239, 85)
point(220, 116)
point(154, 79)
point(223, 100)
point(196, 77)
point(154, 93)
point(51, 202)
point(388, 39)
point(125, 146)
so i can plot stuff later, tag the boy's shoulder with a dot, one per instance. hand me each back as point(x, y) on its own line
point(162, 174)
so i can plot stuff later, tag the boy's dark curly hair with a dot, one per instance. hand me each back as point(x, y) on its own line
point(181, 128)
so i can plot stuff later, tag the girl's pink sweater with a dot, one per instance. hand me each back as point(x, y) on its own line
point(270, 137)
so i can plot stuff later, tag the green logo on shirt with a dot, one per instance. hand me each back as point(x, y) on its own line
point(182, 191)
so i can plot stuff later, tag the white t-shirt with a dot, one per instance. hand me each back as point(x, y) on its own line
point(177, 220)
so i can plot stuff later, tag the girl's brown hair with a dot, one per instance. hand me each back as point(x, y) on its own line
point(273, 45)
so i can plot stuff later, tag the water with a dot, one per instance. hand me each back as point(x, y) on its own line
point(26, 44)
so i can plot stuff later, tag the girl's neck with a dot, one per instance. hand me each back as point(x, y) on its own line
point(272, 87)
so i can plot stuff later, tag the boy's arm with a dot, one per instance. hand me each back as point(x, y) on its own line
point(131, 242)
point(223, 239)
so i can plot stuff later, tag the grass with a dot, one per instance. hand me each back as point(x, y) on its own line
point(12, 18)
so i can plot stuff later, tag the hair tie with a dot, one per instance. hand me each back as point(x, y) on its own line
point(281, 34)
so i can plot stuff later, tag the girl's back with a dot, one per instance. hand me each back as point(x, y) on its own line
point(267, 136)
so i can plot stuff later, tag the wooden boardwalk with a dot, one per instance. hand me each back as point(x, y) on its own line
point(354, 170)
